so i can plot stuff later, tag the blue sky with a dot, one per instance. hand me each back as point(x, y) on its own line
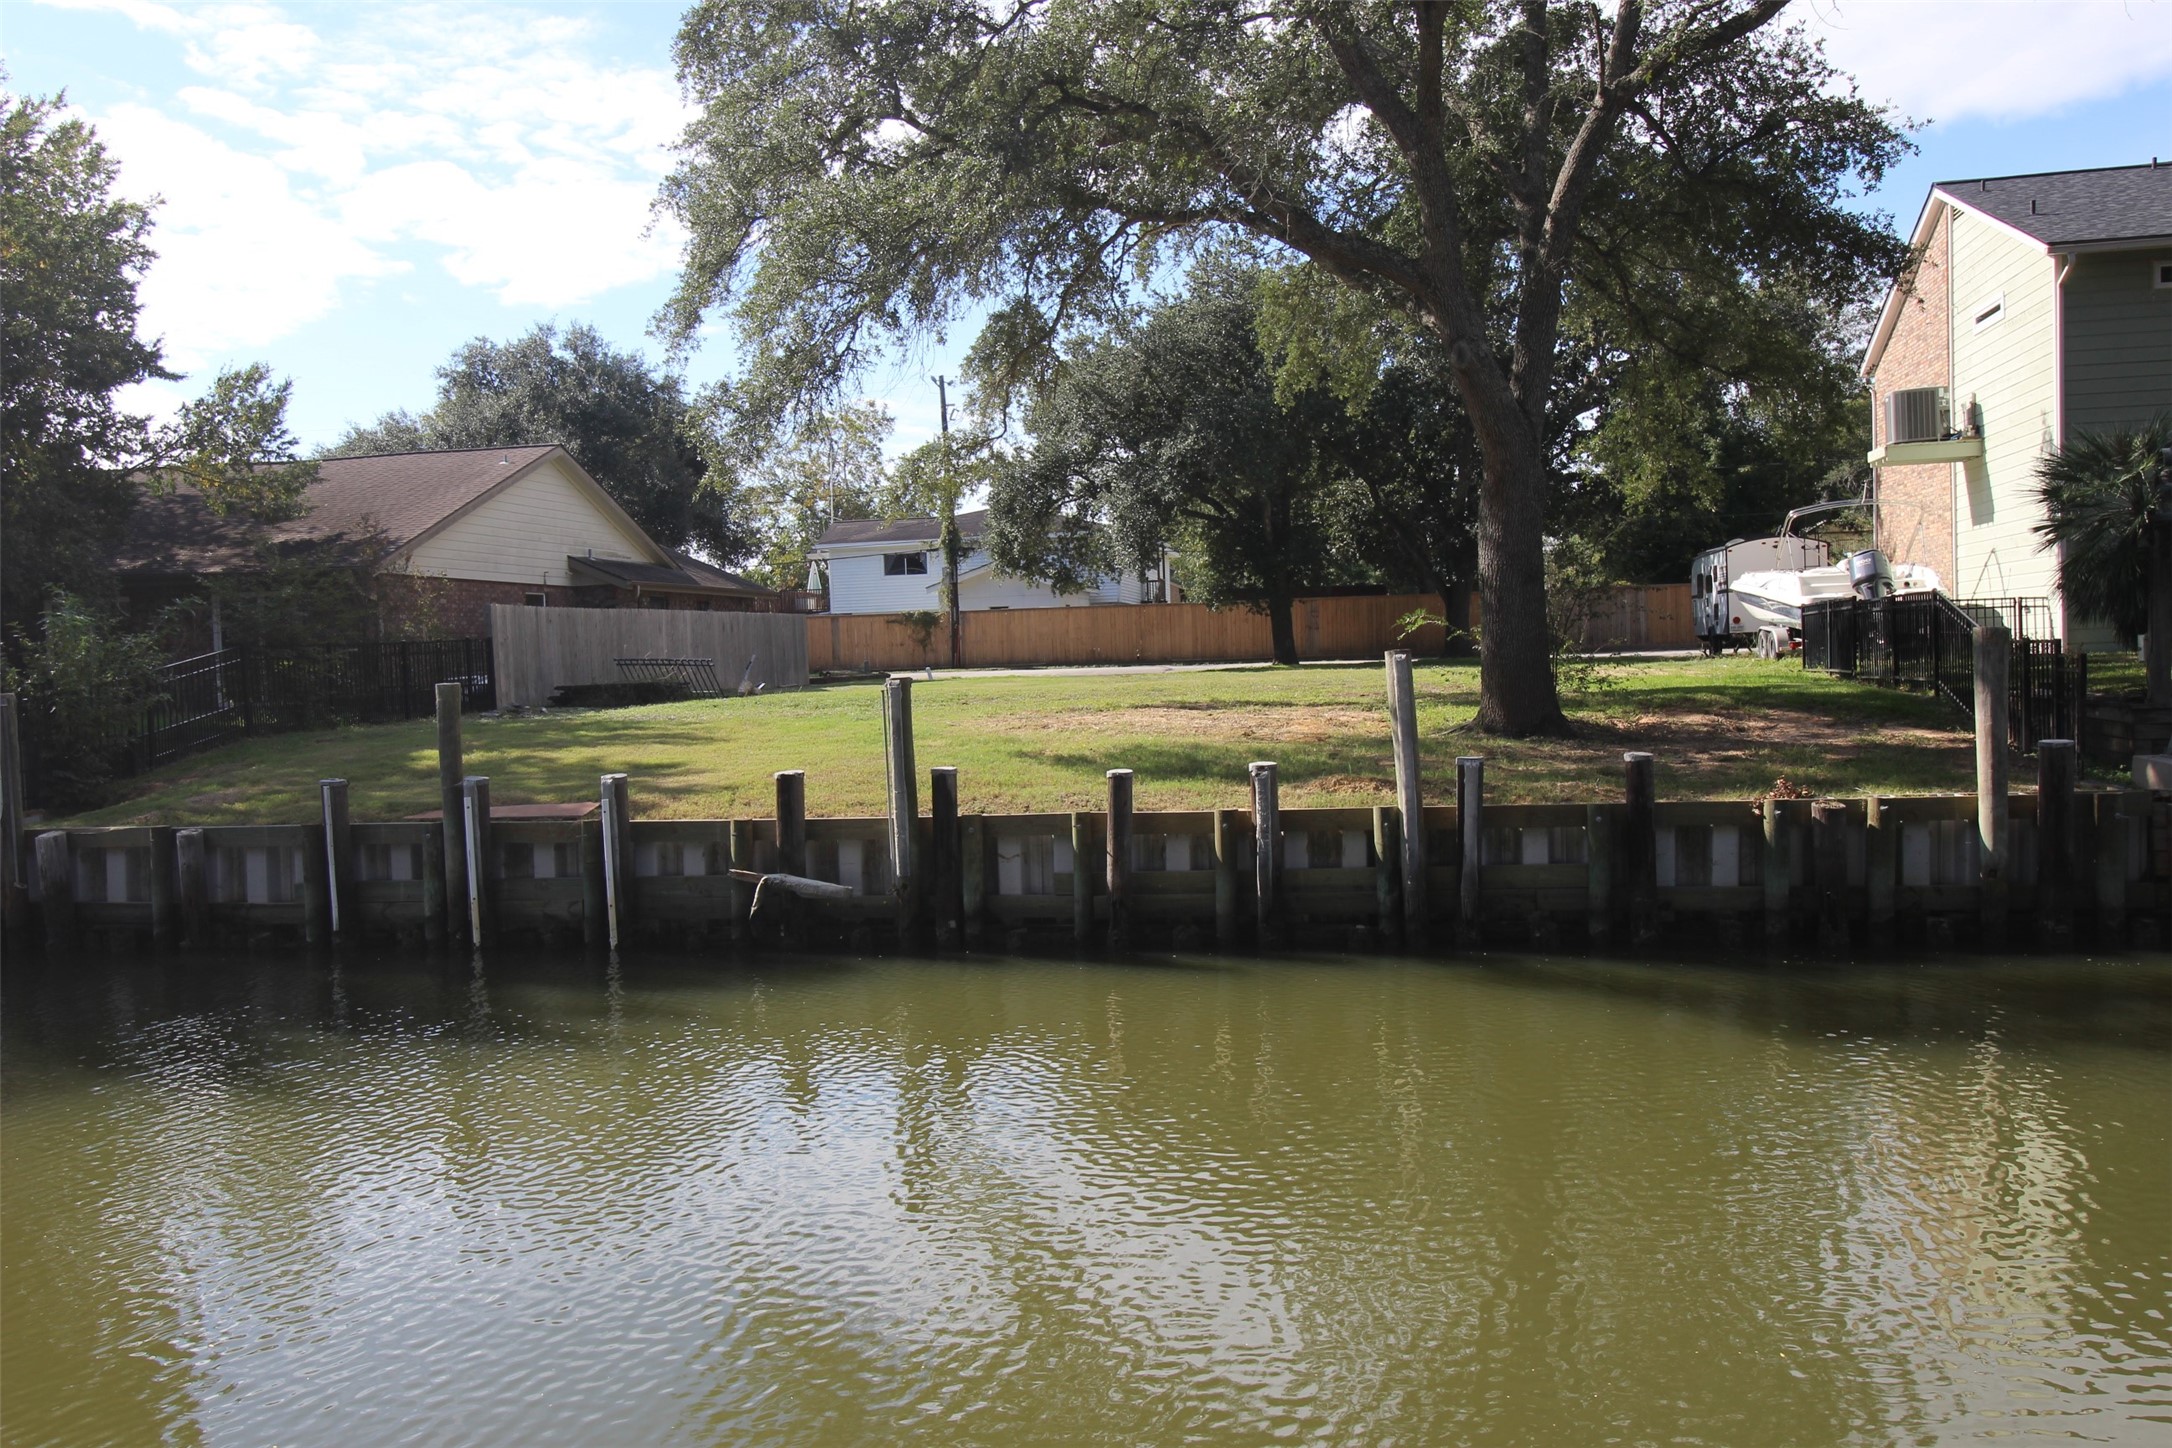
point(351, 191)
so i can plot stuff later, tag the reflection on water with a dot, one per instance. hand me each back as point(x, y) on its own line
point(1534, 1202)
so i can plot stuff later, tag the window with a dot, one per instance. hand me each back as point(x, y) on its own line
point(1991, 312)
point(535, 600)
point(894, 564)
point(2162, 270)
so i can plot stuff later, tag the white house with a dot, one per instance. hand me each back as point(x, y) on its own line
point(897, 567)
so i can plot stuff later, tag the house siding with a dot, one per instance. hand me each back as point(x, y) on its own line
point(524, 534)
point(2118, 342)
point(1915, 503)
point(2006, 372)
point(858, 585)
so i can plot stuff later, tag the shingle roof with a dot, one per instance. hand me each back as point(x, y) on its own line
point(382, 502)
point(2075, 208)
point(848, 531)
point(690, 572)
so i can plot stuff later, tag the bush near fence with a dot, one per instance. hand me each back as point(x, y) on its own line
point(1360, 627)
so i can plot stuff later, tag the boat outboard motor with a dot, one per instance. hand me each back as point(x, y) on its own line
point(1870, 575)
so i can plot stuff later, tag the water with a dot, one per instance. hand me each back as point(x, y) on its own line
point(1338, 1201)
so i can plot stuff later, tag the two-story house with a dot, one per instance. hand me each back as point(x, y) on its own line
point(897, 567)
point(2040, 309)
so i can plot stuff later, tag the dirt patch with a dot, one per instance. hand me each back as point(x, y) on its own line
point(1751, 732)
point(1295, 723)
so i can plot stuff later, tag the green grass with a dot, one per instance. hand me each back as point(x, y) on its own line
point(1720, 729)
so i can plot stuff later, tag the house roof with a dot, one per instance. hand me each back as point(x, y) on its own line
point(2107, 208)
point(851, 532)
point(687, 573)
point(380, 504)
point(2074, 208)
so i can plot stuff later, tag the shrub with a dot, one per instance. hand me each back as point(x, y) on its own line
point(84, 686)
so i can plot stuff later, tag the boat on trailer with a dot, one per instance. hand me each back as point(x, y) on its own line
point(1750, 592)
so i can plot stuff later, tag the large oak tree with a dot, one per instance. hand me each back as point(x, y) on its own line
point(864, 173)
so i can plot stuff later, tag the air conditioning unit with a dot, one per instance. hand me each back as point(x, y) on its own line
point(1916, 414)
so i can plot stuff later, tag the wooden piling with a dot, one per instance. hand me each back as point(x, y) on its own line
point(1119, 859)
point(973, 878)
point(1829, 861)
point(1266, 854)
point(1994, 656)
point(2056, 872)
point(904, 796)
point(791, 821)
point(165, 905)
point(1387, 871)
point(316, 892)
point(742, 896)
point(1779, 869)
point(435, 910)
point(1881, 871)
point(1082, 880)
point(192, 886)
point(14, 882)
point(947, 849)
point(617, 859)
point(1226, 879)
point(1409, 795)
point(338, 845)
point(451, 768)
point(1470, 827)
point(595, 901)
point(56, 888)
point(475, 822)
point(1599, 874)
point(1639, 847)
point(2111, 869)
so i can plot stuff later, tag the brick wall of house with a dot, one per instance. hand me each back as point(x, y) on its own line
point(1915, 504)
point(456, 608)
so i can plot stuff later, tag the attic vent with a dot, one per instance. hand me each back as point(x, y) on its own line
point(2163, 271)
point(1915, 414)
point(1991, 311)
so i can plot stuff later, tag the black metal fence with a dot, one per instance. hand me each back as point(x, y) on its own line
point(1929, 644)
point(237, 693)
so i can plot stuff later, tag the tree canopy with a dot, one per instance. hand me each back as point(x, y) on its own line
point(860, 175)
point(2102, 495)
point(628, 424)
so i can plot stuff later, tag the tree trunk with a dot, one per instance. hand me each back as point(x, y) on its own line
point(1281, 608)
point(1516, 694)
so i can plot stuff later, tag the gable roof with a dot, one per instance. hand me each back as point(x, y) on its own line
point(381, 505)
point(848, 532)
point(2106, 208)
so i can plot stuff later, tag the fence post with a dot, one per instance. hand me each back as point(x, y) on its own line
point(475, 816)
point(1387, 863)
point(1829, 853)
point(1225, 879)
point(2055, 873)
point(1266, 854)
point(1778, 868)
point(1881, 869)
point(56, 888)
point(13, 896)
point(165, 917)
point(1409, 795)
point(617, 858)
point(339, 858)
point(189, 880)
point(1470, 825)
point(897, 719)
point(947, 849)
point(1082, 880)
point(791, 794)
point(1640, 845)
point(1994, 656)
point(450, 770)
point(1120, 782)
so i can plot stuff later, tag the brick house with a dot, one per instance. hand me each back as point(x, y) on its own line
point(441, 536)
point(2040, 308)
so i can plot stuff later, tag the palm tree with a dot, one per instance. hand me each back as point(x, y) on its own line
point(2107, 501)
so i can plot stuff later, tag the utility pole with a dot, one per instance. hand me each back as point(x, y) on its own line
point(951, 541)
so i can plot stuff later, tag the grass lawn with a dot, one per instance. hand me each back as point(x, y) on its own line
point(1720, 728)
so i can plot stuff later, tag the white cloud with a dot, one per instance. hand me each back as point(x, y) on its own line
point(319, 146)
point(1950, 60)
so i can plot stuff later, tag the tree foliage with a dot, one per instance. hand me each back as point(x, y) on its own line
point(863, 174)
point(2100, 494)
point(828, 467)
point(628, 424)
point(72, 458)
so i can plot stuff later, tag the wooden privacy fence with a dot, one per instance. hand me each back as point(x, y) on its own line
point(1356, 627)
point(535, 650)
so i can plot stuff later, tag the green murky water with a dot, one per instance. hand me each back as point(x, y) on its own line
point(1338, 1201)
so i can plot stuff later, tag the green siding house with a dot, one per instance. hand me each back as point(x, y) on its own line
point(2040, 308)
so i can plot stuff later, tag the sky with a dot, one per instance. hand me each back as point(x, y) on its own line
point(350, 192)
